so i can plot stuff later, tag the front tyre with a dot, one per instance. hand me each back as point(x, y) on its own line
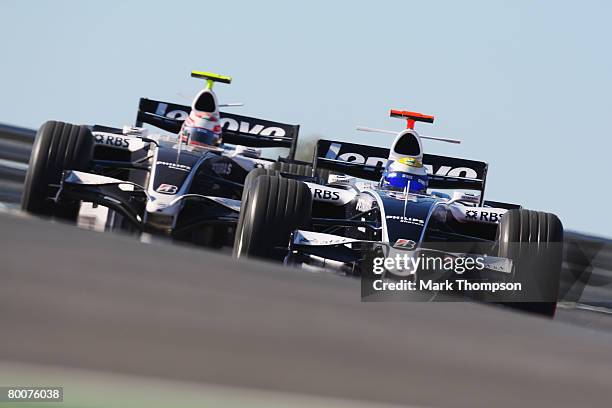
point(534, 241)
point(273, 208)
point(302, 170)
point(58, 146)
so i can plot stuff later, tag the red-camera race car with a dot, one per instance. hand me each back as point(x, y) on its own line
point(381, 204)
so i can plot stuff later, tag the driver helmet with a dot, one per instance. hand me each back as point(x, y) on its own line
point(202, 127)
point(406, 174)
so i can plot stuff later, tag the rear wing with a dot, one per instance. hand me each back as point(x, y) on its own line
point(237, 129)
point(367, 162)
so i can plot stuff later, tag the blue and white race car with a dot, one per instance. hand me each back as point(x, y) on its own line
point(185, 184)
point(380, 203)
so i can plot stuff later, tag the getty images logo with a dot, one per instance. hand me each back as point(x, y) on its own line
point(226, 123)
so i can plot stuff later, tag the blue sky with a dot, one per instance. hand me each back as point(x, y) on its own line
point(526, 85)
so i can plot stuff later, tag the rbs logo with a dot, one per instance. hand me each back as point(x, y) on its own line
point(111, 140)
point(320, 194)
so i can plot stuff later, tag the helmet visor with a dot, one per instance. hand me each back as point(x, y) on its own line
point(399, 181)
point(201, 137)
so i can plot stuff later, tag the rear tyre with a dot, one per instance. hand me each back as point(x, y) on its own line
point(533, 240)
point(58, 146)
point(274, 207)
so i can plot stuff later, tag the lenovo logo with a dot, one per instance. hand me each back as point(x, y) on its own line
point(334, 153)
point(245, 127)
point(226, 123)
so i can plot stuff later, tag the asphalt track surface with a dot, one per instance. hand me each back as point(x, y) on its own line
point(75, 299)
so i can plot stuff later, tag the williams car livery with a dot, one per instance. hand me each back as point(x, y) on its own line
point(133, 180)
point(354, 217)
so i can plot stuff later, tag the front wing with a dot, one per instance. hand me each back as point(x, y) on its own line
point(129, 200)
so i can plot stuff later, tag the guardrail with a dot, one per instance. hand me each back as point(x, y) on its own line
point(587, 263)
point(587, 270)
point(16, 143)
point(15, 147)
